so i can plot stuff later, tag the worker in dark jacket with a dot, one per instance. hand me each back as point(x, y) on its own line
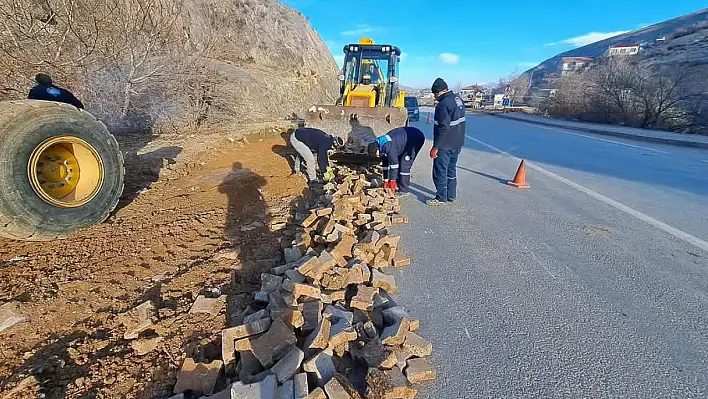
point(398, 149)
point(448, 139)
point(307, 141)
point(47, 91)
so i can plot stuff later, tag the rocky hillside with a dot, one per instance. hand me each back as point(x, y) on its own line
point(176, 64)
point(672, 50)
point(273, 63)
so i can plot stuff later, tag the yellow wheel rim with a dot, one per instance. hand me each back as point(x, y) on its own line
point(65, 171)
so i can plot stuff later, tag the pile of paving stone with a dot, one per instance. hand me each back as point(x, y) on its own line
point(324, 324)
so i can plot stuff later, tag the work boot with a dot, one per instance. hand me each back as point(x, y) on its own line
point(434, 202)
point(403, 194)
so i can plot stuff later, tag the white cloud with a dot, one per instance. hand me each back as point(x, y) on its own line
point(592, 37)
point(449, 58)
point(360, 30)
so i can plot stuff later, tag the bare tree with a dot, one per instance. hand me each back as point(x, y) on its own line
point(624, 92)
point(142, 40)
point(40, 34)
point(667, 99)
point(58, 37)
point(519, 86)
point(571, 95)
point(140, 64)
point(617, 83)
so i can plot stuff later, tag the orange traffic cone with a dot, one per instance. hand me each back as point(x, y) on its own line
point(520, 178)
point(428, 121)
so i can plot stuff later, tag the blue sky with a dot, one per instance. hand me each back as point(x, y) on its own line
point(470, 41)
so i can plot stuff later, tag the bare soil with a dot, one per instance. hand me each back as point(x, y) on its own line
point(194, 221)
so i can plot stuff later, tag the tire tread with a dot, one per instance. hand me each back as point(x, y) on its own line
point(10, 228)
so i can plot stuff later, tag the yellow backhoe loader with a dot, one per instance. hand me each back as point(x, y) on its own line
point(370, 102)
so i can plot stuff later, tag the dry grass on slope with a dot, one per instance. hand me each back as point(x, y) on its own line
point(169, 64)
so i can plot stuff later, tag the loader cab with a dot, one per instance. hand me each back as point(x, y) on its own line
point(369, 76)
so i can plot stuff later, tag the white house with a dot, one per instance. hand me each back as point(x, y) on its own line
point(575, 64)
point(623, 49)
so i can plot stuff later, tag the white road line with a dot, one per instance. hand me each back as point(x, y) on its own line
point(597, 138)
point(539, 262)
point(680, 234)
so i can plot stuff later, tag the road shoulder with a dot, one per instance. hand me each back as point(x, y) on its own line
point(644, 135)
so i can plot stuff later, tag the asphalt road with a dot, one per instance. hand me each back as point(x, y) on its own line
point(593, 283)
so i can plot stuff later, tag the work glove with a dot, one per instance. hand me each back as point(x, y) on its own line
point(387, 184)
point(434, 153)
point(393, 186)
point(329, 175)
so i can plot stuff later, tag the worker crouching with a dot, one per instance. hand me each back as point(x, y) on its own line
point(310, 141)
point(398, 150)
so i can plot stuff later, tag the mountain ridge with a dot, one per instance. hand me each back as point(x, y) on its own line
point(648, 35)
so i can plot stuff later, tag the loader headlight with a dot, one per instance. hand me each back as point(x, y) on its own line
point(394, 79)
point(341, 77)
point(415, 111)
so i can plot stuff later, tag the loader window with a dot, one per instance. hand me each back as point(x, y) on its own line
point(375, 71)
point(367, 65)
point(351, 69)
point(371, 74)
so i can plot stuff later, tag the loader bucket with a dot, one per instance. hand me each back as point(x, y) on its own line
point(358, 126)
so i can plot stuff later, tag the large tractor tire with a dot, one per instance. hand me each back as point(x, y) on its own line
point(60, 170)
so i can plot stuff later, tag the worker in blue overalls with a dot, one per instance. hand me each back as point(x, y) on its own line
point(398, 149)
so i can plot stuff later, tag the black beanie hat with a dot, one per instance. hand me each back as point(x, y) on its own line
point(43, 79)
point(439, 85)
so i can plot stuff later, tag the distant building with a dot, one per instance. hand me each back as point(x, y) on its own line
point(473, 95)
point(472, 91)
point(623, 49)
point(576, 64)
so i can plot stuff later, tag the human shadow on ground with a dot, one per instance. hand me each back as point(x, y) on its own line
point(421, 193)
point(488, 176)
point(259, 234)
point(253, 248)
point(286, 150)
point(256, 246)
